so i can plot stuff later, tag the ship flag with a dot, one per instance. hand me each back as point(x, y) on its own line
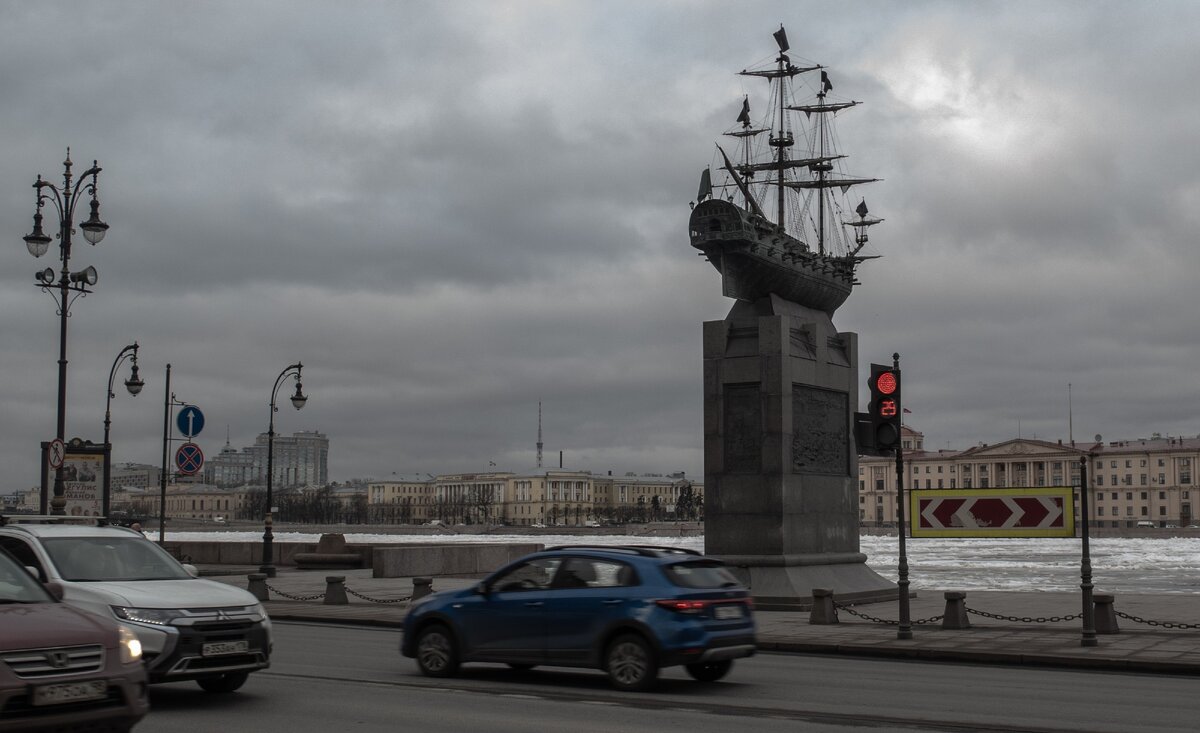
point(862, 209)
point(744, 117)
point(826, 85)
point(781, 39)
point(705, 186)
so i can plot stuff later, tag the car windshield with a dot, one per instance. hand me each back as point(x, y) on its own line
point(112, 558)
point(17, 585)
point(703, 574)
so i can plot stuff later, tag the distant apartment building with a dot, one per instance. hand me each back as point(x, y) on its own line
point(1129, 481)
point(301, 459)
point(136, 475)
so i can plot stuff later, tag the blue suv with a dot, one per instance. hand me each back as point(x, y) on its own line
point(628, 610)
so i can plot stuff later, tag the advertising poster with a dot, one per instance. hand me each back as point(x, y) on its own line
point(83, 482)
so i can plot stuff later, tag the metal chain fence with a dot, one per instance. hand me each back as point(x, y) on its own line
point(1025, 619)
point(291, 597)
point(319, 596)
point(1163, 624)
point(848, 609)
point(379, 600)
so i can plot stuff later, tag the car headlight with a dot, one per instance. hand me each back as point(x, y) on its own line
point(159, 616)
point(131, 648)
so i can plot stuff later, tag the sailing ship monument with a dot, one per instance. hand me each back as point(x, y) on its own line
point(780, 227)
point(780, 382)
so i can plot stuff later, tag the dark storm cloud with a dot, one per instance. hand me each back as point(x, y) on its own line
point(451, 211)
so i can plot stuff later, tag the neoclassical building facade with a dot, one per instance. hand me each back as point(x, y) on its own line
point(1129, 481)
point(539, 497)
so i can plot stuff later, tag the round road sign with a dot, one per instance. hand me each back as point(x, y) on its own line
point(189, 458)
point(58, 453)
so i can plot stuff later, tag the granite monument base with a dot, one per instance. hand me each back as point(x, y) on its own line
point(786, 582)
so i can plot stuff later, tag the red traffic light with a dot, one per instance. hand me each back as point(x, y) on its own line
point(886, 383)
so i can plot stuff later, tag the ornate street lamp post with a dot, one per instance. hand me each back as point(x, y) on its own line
point(134, 384)
point(298, 400)
point(70, 285)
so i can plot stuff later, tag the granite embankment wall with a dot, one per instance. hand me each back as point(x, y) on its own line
point(387, 560)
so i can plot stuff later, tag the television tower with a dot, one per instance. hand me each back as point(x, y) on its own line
point(539, 443)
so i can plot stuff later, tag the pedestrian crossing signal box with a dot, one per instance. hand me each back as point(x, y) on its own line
point(877, 431)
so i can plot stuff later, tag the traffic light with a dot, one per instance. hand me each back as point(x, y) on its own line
point(885, 410)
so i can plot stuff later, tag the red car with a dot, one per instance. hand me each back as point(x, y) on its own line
point(63, 669)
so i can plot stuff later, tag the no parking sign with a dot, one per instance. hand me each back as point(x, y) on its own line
point(189, 458)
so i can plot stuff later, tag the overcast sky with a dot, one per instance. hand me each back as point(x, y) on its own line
point(449, 211)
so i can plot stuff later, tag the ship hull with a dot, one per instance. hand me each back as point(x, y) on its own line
point(756, 260)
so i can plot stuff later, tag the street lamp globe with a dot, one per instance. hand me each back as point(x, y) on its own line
point(134, 384)
point(94, 229)
point(37, 241)
point(299, 398)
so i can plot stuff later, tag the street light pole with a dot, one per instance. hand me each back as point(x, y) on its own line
point(134, 384)
point(298, 400)
point(38, 242)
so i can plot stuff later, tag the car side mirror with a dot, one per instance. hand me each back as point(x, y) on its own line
point(55, 589)
point(482, 588)
point(191, 570)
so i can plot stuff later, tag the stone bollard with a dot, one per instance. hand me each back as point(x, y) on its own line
point(258, 586)
point(422, 587)
point(335, 590)
point(823, 611)
point(955, 615)
point(1106, 615)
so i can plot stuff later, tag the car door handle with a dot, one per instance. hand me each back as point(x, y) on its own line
point(614, 601)
point(533, 603)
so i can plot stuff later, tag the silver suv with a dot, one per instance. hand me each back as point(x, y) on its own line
point(189, 628)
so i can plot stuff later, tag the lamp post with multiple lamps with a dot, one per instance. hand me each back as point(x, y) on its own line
point(298, 400)
point(134, 384)
point(69, 285)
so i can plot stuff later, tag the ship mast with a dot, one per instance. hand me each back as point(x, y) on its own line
point(781, 142)
point(821, 169)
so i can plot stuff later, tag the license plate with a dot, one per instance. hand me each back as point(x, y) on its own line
point(217, 648)
point(70, 692)
point(727, 612)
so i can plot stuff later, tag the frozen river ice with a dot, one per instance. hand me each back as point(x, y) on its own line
point(1119, 565)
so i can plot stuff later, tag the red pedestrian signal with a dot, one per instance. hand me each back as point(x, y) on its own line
point(884, 410)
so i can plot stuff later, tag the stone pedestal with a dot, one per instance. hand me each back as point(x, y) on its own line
point(781, 468)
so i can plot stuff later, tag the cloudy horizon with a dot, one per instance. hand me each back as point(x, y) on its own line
point(450, 212)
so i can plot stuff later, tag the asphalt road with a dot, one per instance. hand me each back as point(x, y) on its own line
point(336, 678)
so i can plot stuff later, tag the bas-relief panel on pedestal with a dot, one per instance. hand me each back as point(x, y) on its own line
point(820, 438)
point(743, 428)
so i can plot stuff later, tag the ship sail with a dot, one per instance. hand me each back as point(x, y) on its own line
point(780, 221)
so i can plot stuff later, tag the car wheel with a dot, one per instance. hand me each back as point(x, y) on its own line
point(710, 671)
point(435, 652)
point(521, 666)
point(225, 683)
point(630, 663)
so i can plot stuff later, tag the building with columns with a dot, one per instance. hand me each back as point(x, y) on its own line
point(1129, 481)
point(553, 497)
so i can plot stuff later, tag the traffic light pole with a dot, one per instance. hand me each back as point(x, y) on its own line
point(905, 629)
point(1085, 568)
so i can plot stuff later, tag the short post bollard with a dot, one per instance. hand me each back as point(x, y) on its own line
point(422, 587)
point(823, 611)
point(955, 615)
point(1106, 614)
point(335, 590)
point(258, 586)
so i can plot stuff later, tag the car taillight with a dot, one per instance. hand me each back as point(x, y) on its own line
point(681, 606)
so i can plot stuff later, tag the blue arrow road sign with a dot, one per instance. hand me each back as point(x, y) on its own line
point(189, 458)
point(190, 421)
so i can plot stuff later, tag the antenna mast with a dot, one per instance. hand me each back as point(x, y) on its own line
point(539, 443)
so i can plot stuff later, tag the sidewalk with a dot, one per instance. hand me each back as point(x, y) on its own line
point(1042, 641)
